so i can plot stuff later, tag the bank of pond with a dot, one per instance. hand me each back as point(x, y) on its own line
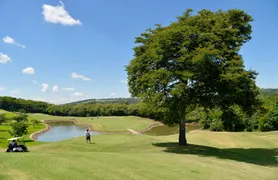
point(59, 131)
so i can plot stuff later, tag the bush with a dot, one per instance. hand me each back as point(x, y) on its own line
point(208, 120)
point(233, 119)
point(216, 125)
point(35, 122)
point(2, 118)
point(270, 122)
point(21, 117)
point(196, 115)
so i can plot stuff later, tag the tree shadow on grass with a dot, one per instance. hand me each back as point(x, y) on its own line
point(258, 156)
point(28, 140)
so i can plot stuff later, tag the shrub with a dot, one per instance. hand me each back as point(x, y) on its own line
point(270, 120)
point(216, 125)
point(2, 118)
point(35, 122)
point(211, 120)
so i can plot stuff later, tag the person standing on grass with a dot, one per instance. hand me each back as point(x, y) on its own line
point(88, 136)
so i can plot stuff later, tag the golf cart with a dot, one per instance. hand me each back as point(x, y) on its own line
point(16, 144)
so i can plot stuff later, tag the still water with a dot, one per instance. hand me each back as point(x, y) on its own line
point(63, 130)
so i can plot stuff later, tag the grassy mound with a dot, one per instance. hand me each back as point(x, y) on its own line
point(119, 157)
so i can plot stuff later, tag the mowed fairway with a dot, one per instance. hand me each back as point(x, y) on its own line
point(109, 124)
point(105, 124)
point(210, 156)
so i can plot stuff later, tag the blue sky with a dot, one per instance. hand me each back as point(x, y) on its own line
point(82, 54)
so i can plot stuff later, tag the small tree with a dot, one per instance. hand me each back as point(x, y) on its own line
point(22, 111)
point(19, 129)
point(21, 117)
point(194, 61)
point(35, 123)
point(2, 118)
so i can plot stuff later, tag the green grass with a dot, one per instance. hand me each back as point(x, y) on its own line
point(209, 156)
point(4, 134)
point(8, 114)
point(170, 130)
point(3, 111)
point(111, 123)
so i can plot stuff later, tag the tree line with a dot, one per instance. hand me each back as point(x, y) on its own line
point(264, 119)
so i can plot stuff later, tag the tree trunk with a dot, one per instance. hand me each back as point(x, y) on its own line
point(182, 133)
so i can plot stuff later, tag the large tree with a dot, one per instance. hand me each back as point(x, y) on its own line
point(194, 61)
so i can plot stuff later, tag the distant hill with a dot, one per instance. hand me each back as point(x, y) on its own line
point(265, 92)
point(107, 101)
point(269, 92)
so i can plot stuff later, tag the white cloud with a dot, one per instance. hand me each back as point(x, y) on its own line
point(4, 58)
point(78, 94)
point(78, 76)
point(55, 88)
point(124, 81)
point(112, 94)
point(2, 89)
point(44, 87)
point(68, 89)
point(58, 14)
point(10, 40)
point(28, 70)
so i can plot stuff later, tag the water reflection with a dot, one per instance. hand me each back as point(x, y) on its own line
point(63, 130)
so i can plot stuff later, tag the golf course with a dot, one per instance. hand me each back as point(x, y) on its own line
point(209, 155)
point(138, 90)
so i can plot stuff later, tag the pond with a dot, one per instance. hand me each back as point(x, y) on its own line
point(61, 131)
point(168, 130)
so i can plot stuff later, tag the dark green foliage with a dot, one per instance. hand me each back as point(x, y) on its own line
point(22, 111)
point(35, 122)
point(262, 120)
point(16, 105)
point(271, 121)
point(232, 121)
point(2, 118)
point(196, 115)
point(196, 62)
point(216, 125)
point(20, 126)
point(19, 129)
point(212, 120)
point(21, 117)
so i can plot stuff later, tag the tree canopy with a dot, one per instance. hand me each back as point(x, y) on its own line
point(195, 61)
